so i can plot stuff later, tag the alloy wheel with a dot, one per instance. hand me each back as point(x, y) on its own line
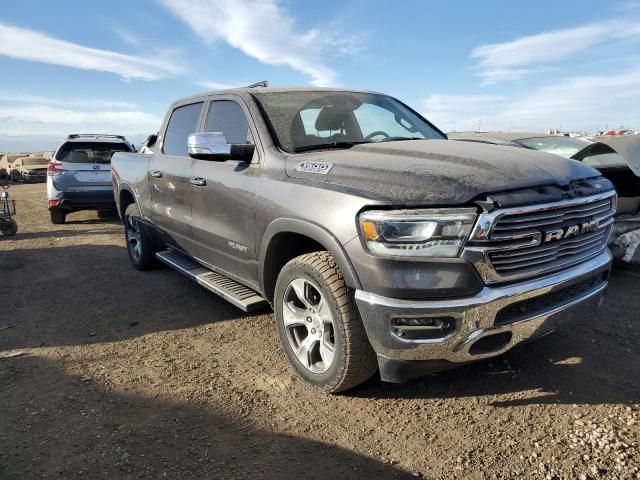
point(309, 325)
point(134, 237)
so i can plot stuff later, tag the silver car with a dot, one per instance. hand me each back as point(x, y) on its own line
point(79, 174)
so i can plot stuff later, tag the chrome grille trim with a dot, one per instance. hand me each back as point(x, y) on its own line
point(507, 244)
point(540, 220)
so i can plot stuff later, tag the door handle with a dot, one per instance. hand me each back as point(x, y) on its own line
point(198, 181)
point(155, 173)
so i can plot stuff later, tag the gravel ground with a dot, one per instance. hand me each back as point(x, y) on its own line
point(106, 372)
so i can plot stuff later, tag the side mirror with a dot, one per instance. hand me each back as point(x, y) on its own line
point(213, 146)
point(151, 140)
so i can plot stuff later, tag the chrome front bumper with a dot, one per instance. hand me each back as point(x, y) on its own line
point(475, 317)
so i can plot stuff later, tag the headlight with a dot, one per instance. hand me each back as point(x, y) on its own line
point(417, 233)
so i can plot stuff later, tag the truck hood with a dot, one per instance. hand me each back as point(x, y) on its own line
point(434, 171)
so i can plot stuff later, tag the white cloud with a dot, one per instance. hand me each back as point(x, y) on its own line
point(10, 97)
point(459, 112)
point(584, 101)
point(573, 103)
point(55, 116)
point(127, 36)
point(25, 44)
point(263, 30)
point(512, 60)
point(41, 122)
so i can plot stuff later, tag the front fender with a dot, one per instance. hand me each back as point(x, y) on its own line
point(314, 232)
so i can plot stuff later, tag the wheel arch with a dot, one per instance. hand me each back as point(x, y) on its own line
point(287, 238)
point(125, 198)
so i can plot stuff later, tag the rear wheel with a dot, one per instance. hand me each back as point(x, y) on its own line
point(140, 247)
point(8, 228)
point(58, 216)
point(319, 325)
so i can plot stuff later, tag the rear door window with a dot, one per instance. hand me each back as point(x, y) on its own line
point(183, 122)
point(90, 152)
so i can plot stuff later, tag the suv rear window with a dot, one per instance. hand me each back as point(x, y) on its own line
point(90, 152)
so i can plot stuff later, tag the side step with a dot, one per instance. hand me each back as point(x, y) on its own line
point(232, 291)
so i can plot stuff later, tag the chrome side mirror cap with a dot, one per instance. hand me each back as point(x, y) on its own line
point(209, 146)
point(213, 146)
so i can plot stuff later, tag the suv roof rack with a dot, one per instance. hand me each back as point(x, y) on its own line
point(95, 135)
point(263, 84)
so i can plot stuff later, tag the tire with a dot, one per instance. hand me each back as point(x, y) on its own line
point(352, 361)
point(58, 216)
point(140, 247)
point(13, 177)
point(8, 228)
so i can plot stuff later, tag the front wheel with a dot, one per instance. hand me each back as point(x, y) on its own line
point(139, 246)
point(319, 325)
point(8, 228)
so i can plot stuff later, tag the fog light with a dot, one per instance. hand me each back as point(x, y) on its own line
point(422, 328)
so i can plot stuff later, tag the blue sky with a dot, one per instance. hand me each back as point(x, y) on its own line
point(113, 67)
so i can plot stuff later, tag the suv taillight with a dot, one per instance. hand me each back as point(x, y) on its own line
point(54, 167)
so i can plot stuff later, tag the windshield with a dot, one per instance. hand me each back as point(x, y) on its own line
point(307, 120)
point(34, 161)
point(90, 152)
point(563, 146)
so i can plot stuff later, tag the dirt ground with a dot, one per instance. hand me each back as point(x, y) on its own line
point(107, 372)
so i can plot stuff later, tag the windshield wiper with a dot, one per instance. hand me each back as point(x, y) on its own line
point(322, 146)
point(400, 139)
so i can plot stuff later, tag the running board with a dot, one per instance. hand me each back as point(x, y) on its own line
point(232, 291)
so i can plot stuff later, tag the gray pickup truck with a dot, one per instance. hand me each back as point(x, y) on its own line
point(380, 244)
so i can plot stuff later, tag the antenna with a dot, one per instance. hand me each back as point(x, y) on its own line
point(262, 84)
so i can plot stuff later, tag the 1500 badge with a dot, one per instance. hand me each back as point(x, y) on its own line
point(314, 167)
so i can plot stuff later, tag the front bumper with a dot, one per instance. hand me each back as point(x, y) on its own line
point(479, 317)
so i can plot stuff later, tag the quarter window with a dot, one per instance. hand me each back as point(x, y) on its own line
point(226, 116)
point(183, 122)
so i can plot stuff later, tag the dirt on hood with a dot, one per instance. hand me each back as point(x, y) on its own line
point(437, 171)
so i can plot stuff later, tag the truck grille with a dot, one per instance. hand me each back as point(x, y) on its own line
point(511, 225)
point(529, 241)
point(560, 253)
